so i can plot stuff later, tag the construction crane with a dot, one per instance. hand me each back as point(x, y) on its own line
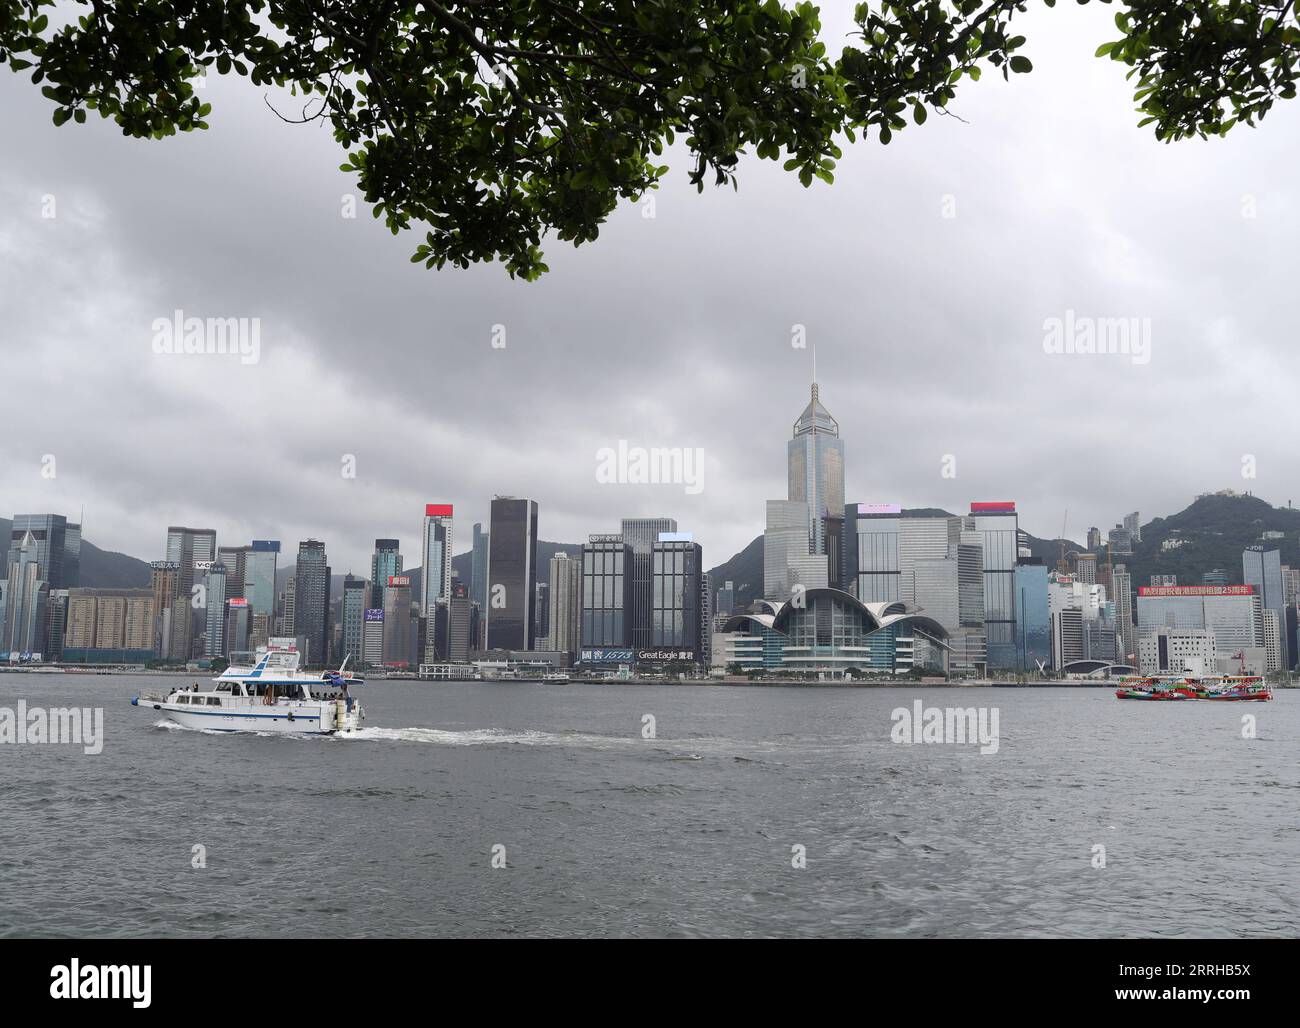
point(1063, 566)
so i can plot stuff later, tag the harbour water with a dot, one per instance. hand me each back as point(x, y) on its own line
point(700, 830)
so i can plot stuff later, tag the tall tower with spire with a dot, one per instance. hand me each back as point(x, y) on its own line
point(816, 463)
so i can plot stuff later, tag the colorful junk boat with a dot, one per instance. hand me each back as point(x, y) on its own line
point(1223, 688)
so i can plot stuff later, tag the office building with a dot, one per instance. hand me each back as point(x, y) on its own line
point(725, 601)
point(214, 610)
point(998, 528)
point(192, 550)
point(1034, 628)
point(372, 637)
point(1262, 568)
point(353, 613)
point(785, 549)
point(565, 604)
point(640, 535)
point(1067, 637)
point(479, 568)
point(435, 555)
point(607, 593)
point(871, 551)
point(397, 622)
point(1178, 651)
point(385, 562)
point(259, 576)
point(815, 460)
point(677, 567)
point(1232, 613)
point(311, 602)
point(1127, 635)
point(512, 574)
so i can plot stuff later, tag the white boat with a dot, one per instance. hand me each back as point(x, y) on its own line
point(271, 696)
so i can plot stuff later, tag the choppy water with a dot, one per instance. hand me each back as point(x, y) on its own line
point(692, 833)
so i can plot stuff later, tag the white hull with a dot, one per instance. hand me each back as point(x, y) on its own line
point(299, 719)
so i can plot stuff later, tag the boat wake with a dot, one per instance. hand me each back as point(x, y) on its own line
point(488, 737)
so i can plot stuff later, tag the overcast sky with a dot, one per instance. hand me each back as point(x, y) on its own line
point(671, 331)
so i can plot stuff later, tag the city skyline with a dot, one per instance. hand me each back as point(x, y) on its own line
point(951, 365)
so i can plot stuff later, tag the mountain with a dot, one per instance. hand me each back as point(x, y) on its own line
point(1212, 533)
point(101, 569)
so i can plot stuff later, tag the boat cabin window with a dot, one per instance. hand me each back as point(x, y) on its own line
point(214, 701)
point(182, 699)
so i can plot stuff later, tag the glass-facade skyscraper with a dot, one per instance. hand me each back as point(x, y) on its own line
point(997, 526)
point(511, 612)
point(1034, 621)
point(677, 566)
point(816, 468)
point(214, 589)
point(1262, 568)
point(355, 595)
point(385, 562)
point(435, 556)
point(311, 602)
point(640, 534)
point(606, 593)
point(259, 576)
point(478, 568)
point(871, 549)
point(192, 550)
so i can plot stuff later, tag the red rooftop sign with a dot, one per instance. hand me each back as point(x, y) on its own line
point(994, 507)
point(437, 510)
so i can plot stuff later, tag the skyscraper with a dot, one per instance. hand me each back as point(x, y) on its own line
point(192, 550)
point(26, 594)
point(214, 610)
point(640, 534)
point(1133, 525)
point(997, 525)
point(1034, 623)
point(312, 602)
point(435, 555)
point(1262, 568)
point(512, 574)
point(460, 622)
point(871, 551)
point(384, 563)
point(1126, 632)
point(815, 458)
point(786, 549)
point(353, 610)
point(43, 557)
point(677, 564)
point(397, 621)
point(235, 561)
point(259, 576)
point(478, 568)
point(606, 593)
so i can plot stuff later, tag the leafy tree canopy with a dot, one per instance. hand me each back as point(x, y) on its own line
point(493, 123)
